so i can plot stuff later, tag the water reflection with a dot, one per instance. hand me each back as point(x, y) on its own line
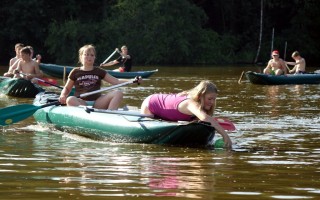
point(276, 154)
point(163, 177)
point(272, 100)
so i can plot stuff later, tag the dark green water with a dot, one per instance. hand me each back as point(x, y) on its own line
point(275, 154)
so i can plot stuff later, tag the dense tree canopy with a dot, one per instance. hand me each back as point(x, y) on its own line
point(161, 31)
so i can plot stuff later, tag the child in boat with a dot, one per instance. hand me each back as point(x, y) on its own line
point(13, 63)
point(125, 59)
point(276, 66)
point(199, 102)
point(299, 65)
point(27, 68)
point(87, 78)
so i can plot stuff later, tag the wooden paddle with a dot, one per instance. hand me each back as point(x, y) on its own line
point(13, 114)
point(239, 81)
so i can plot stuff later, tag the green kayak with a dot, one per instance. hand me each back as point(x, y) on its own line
point(59, 70)
point(19, 87)
point(121, 125)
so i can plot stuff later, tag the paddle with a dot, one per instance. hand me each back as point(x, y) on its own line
point(13, 114)
point(48, 81)
point(106, 60)
point(224, 123)
point(110, 88)
point(239, 81)
point(45, 81)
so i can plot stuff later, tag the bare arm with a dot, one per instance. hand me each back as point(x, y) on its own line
point(191, 107)
point(293, 69)
point(301, 61)
point(285, 67)
point(37, 71)
point(291, 63)
point(114, 81)
point(66, 91)
point(110, 63)
point(268, 65)
point(13, 66)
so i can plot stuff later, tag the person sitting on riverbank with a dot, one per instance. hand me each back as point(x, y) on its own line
point(27, 68)
point(125, 59)
point(13, 63)
point(276, 66)
point(299, 64)
point(196, 103)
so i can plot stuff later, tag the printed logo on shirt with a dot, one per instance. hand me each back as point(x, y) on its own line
point(88, 80)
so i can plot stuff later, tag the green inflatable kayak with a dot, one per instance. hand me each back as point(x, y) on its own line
point(126, 126)
point(19, 87)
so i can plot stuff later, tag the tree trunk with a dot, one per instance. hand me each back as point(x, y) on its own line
point(260, 35)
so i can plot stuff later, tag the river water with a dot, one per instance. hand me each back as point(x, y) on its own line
point(275, 154)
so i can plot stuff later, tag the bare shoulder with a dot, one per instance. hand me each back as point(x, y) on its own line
point(35, 63)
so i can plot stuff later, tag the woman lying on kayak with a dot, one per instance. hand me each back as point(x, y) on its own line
point(87, 78)
point(199, 102)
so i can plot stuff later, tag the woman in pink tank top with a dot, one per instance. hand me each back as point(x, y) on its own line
point(199, 103)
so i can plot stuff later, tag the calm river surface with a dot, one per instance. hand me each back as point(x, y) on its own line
point(276, 151)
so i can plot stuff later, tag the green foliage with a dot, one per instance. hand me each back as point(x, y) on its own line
point(160, 31)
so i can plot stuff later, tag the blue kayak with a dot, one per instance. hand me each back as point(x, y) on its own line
point(58, 71)
point(297, 79)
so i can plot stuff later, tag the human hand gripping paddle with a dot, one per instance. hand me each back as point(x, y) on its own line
point(13, 114)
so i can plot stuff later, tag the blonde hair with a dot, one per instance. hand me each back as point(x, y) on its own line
point(295, 54)
point(198, 92)
point(18, 45)
point(84, 48)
